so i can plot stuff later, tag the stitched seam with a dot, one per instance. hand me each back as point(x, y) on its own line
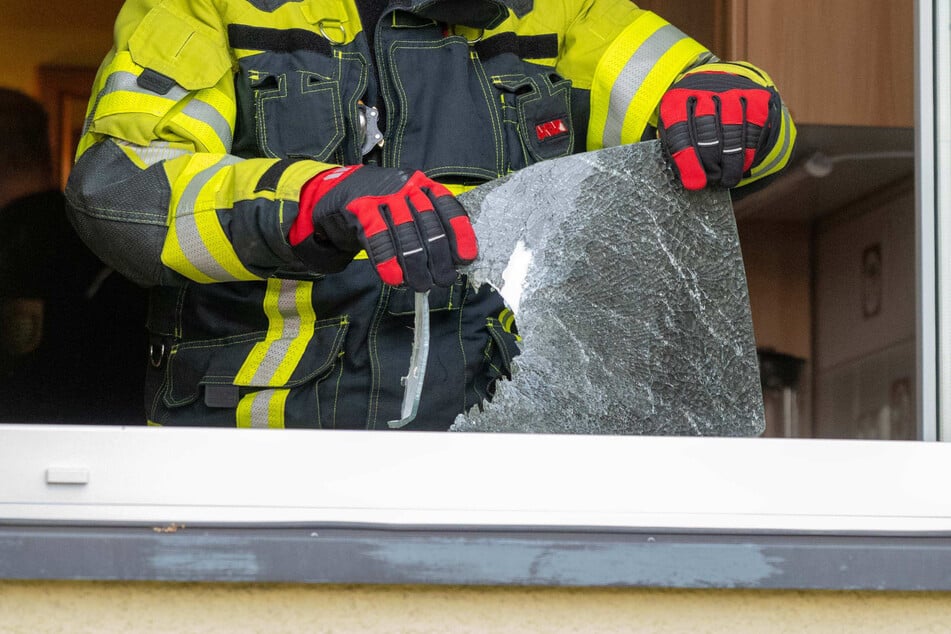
point(333, 416)
point(487, 89)
point(398, 83)
point(261, 96)
point(341, 325)
point(355, 98)
point(333, 86)
point(375, 379)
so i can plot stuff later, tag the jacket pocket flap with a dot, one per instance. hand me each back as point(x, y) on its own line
point(253, 361)
point(403, 301)
point(180, 47)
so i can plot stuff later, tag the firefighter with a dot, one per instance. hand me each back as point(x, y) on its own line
point(71, 336)
point(281, 174)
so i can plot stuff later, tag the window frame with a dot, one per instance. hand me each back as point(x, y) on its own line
point(103, 502)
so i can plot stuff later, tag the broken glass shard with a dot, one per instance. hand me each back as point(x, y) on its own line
point(630, 298)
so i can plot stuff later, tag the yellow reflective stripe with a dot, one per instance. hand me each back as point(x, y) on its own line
point(781, 152)
point(120, 92)
point(744, 69)
point(220, 101)
point(209, 118)
point(122, 61)
point(196, 245)
point(122, 101)
point(291, 318)
point(262, 410)
point(507, 319)
point(633, 74)
point(205, 134)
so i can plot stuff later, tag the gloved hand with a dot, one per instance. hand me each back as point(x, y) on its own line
point(717, 124)
point(412, 228)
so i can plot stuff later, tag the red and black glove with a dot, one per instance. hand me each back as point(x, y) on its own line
point(413, 229)
point(716, 125)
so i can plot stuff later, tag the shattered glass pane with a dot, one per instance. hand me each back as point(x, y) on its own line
point(630, 297)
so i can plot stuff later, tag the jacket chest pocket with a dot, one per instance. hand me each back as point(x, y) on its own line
point(300, 104)
point(536, 116)
point(441, 117)
point(464, 110)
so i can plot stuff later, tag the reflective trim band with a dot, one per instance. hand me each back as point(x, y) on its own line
point(262, 410)
point(291, 318)
point(639, 66)
point(155, 152)
point(206, 116)
point(781, 152)
point(196, 245)
point(507, 319)
point(208, 126)
point(122, 95)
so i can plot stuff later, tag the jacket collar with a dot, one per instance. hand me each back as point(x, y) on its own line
point(480, 14)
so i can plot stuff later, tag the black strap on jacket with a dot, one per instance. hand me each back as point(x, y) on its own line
point(370, 13)
point(257, 38)
point(524, 46)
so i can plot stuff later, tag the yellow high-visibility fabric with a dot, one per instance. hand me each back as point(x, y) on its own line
point(185, 40)
point(632, 76)
point(263, 409)
point(291, 318)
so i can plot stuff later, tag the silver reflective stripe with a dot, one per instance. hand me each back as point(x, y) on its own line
point(153, 153)
point(186, 225)
point(198, 109)
point(632, 77)
point(260, 406)
point(290, 328)
point(122, 81)
point(128, 82)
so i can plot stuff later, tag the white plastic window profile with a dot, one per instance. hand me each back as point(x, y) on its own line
point(220, 505)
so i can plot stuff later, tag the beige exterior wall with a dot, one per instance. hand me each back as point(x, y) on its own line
point(143, 608)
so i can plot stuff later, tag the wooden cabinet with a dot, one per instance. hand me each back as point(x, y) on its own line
point(836, 62)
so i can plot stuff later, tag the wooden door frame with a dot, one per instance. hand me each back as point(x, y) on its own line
point(64, 92)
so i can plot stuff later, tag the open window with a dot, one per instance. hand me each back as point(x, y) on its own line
point(104, 502)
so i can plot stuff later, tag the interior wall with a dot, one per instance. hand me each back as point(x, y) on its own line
point(57, 33)
point(776, 257)
point(865, 347)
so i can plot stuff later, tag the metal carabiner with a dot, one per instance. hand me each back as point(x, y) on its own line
point(322, 26)
point(370, 135)
point(156, 362)
point(468, 41)
point(478, 38)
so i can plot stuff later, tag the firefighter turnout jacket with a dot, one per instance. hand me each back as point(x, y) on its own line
point(208, 116)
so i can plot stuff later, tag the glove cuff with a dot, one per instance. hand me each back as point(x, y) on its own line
point(743, 69)
point(310, 193)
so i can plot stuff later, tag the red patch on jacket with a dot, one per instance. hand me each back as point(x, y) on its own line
point(549, 129)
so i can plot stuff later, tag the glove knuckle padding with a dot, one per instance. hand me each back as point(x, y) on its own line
point(712, 124)
point(413, 229)
point(459, 231)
